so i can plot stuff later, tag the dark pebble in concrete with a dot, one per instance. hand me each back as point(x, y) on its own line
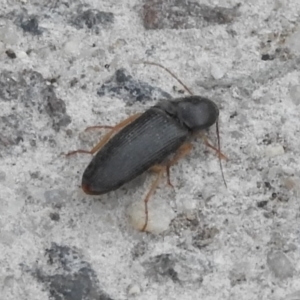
point(68, 276)
point(92, 18)
point(178, 14)
point(124, 86)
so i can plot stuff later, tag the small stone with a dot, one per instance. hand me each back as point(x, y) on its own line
point(6, 238)
point(295, 94)
point(139, 249)
point(274, 150)
point(133, 290)
point(2, 176)
point(292, 296)
point(204, 236)
point(22, 54)
point(8, 34)
point(262, 204)
point(56, 108)
point(93, 17)
point(238, 274)
point(216, 71)
point(280, 265)
point(186, 205)
point(293, 41)
point(29, 23)
point(11, 54)
point(55, 196)
point(72, 47)
point(67, 275)
point(124, 86)
point(292, 184)
point(118, 44)
point(159, 216)
point(267, 57)
point(54, 216)
point(178, 14)
point(187, 268)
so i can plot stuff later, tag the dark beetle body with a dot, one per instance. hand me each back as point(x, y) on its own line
point(147, 141)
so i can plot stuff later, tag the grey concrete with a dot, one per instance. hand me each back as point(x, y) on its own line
point(236, 243)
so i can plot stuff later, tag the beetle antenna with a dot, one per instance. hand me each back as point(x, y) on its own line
point(167, 70)
point(219, 148)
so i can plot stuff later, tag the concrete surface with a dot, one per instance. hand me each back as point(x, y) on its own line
point(59, 63)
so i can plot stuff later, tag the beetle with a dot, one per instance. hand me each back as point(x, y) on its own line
point(145, 141)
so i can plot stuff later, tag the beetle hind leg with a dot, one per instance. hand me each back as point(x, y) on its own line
point(99, 127)
point(160, 169)
point(149, 194)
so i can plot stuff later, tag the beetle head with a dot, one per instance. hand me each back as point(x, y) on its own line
point(195, 112)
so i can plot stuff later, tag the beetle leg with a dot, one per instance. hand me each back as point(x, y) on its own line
point(220, 154)
point(207, 143)
point(160, 169)
point(181, 152)
point(107, 136)
point(151, 191)
point(156, 168)
point(99, 127)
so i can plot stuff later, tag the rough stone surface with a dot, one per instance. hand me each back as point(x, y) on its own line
point(280, 265)
point(123, 85)
point(28, 93)
point(63, 61)
point(29, 23)
point(178, 268)
point(68, 276)
point(92, 18)
point(177, 14)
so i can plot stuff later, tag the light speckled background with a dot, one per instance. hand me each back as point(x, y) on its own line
point(259, 123)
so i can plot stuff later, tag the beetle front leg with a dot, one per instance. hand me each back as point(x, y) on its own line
point(106, 138)
point(220, 154)
point(99, 127)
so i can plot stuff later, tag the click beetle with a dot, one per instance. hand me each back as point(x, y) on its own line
point(145, 141)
